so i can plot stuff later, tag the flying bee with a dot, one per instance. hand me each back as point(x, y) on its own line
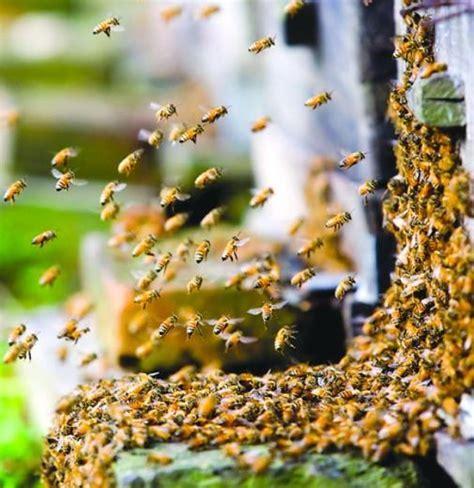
point(145, 280)
point(300, 278)
point(146, 297)
point(62, 157)
point(163, 112)
point(154, 138)
point(293, 7)
point(176, 132)
point(130, 162)
point(344, 286)
point(202, 251)
point(207, 405)
point(169, 13)
point(338, 221)
point(284, 338)
point(266, 310)
point(159, 458)
point(222, 323)
point(109, 191)
point(110, 211)
point(13, 353)
point(194, 323)
point(87, 359)
point(207, 11)
point(212, 218)
point(318, 100)
point(432, 68)
point(235, 338)
point(144, 350)
point(27, 345)
point(66, 180)
point(184, 248)
point(169, 195)
point(310, 247)
point(194, 284)
point(207, 177)
point(16, 333)
point(77, 334)
point(260, 197)
point(176, 222)
point(41, 239)
point(367, 189)
point(145, 246)
point(164, 328)
point(214, 114)
point(107, 26)
point(230, 250)
point(62, 353)
point(14, 190)
point(119, 240)
point(295, 226)
point(50, 275)
point(351, 159)
point(261, 44)
point(260, 124)
point(162, 261)
point(69, 328)
point(236, 280)
point(191, 134)
point(264, 281)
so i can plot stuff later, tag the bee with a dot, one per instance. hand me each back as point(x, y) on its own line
point(300, 278)
point(230, 250)
point(162, 261)
point(310, 247)
point(16, 333)
point(145, 280)
point(66, 180)
point(284, 338)
point(163, 112)
point(107, 26)
point(138, 322)
point(260, 124)
point(130, 162)
point(193, 324)
point(69, 328)
point(260, 197)
point(258, 463)
point(209, 176)
point(235, 338)
point(351, 159)
point(202, 251)
point(318, 100)
point(264, 281)
point(236, 280)
point(109, 191)
point(170, 12)
point(207, 406)
point(119, 240)
point(159, 458)
point(432, 68)
point(194, 284)
point(176, 222)
point(184, 248)
point(338, 221)
point(222, 323)
point(110, 211)
point(164, 328)
point(154, 138)
point(207, 11)
point(261, 44)
point(266, 310)
point(212, 218)
point(87, 359)
point(191, 134)
point(344, 286)
point(14, 190)
point(214, 114)
point(367, 188)
point(50, 275)
point(293, 7)
point(79, 305)
point(295, 226)
point(144, 350)
point(170, 195)
point(41, 239)
point(176, 132)
point(145, 246)
point(27, 345)
point(62, 353)
point(62, 157)
point(146, 297)
point(13, 353)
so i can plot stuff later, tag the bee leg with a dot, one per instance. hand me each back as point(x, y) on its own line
point(194, 139)
point(107, 32)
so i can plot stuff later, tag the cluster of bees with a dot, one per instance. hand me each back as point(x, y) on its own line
point(398, 384)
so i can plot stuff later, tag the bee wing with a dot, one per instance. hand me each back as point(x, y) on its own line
point(117, 28)
point(182, 197)
point(242, 242)
point(120, 187)
point(254, 311)
point(155, 106)
point(203, 108)
point(279, 305)
point(224, 335)
point(255, 191)
point(247, 340)
point(137, 274)
point(235, 321)
point(143, 135)
point(211, 322)
point(56, 173)
point(79, 182)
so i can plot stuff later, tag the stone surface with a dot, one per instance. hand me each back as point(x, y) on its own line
point(457, 459)
point(212, 469)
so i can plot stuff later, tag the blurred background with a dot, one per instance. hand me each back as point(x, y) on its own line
point(61, 86)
